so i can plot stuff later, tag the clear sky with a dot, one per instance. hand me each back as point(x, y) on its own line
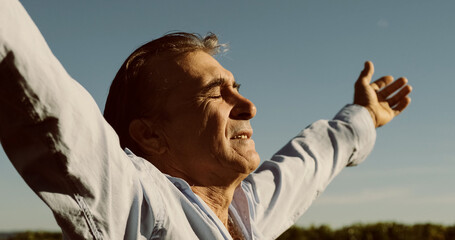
point(297, 61)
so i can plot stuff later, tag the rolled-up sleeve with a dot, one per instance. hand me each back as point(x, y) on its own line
point(283, 188)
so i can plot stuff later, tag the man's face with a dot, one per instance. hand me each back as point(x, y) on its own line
point(208, 132)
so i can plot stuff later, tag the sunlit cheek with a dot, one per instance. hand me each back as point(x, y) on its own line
point(207, 114)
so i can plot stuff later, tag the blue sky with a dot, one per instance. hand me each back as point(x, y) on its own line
point(297, 61)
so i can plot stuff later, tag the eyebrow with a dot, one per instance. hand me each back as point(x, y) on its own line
point(216, 83)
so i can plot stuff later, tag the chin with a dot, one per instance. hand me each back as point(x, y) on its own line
point(252, 162)
point(242, 162)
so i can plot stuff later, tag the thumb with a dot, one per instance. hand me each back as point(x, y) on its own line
point(366, 74)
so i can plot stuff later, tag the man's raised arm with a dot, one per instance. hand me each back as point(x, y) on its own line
point(282, 189)
point(55, 136)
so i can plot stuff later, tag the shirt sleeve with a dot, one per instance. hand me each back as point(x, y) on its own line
point(56, 137)
point(283, 188)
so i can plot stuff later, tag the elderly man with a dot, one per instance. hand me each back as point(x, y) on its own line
point(180, 111)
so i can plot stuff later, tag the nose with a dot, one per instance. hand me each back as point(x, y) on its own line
point(243, 109)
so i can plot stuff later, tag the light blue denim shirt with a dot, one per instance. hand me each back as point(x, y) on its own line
point(57, 139)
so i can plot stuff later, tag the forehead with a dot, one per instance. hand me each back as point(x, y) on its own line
point(199, 68)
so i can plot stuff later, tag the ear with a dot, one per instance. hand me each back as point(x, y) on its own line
point(148, 137)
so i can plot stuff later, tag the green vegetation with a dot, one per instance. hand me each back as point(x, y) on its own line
point(31, 236)
point(376, 231)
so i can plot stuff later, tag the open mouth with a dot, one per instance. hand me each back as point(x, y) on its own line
point(243, 136)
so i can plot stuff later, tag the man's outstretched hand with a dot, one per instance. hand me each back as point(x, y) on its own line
point(384, 98)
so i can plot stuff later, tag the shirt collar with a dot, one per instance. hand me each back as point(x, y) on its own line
point(239, 209)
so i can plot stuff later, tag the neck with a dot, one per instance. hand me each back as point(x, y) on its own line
point(218, 198)
point(216, 190)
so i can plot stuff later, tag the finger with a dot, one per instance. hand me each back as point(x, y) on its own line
point(381, 82)
point(366, 74)
point(391, 88)
point(399, 95)
point(401, 105)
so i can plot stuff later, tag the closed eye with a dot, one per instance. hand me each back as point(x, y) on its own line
point(214, 97)
point(217, 84)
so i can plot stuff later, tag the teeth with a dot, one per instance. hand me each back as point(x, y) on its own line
point(241, 137)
